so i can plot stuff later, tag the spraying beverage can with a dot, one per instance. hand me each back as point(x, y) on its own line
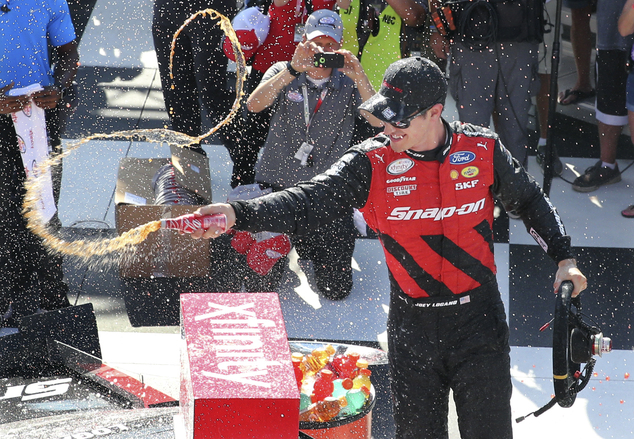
point(190, 223)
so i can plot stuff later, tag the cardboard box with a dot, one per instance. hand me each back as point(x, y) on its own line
point(164, 253)
point(237, 379)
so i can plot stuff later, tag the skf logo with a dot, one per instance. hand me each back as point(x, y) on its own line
point(401, 190)
point(39, 390)
point(470, 172)
point(466, 185)
point(435, 213)
point(461, 157)
point(400, 166)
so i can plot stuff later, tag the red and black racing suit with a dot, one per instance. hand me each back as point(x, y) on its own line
point(433, 212)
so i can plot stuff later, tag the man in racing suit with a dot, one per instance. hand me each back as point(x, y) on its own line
point(427, 188)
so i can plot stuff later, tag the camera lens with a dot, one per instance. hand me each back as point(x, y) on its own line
point(601, 344)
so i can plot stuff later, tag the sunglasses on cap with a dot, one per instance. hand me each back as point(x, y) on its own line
point(404, 123)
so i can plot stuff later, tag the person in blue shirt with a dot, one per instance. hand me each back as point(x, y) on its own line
point(30, 277)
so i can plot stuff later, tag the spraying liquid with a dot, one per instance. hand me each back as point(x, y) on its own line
point(126, 241)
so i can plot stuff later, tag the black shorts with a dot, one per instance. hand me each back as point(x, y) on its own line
point(611, 85)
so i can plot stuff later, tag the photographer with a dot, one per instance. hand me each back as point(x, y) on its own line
point(312, 124)
point(31, 277)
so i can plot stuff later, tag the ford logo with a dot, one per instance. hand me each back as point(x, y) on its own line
point(461, 157)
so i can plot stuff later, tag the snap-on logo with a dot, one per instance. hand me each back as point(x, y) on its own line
point(435, 213)
point(462, 157)
point(400, 166)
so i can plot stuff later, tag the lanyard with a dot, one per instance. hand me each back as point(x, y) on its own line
point(307, 116)
point(298, 9)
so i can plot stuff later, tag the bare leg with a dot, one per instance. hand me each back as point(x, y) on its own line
point(581, 39)
point(608, 141)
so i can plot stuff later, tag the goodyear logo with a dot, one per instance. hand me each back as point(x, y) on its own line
point(462, 157)
point(400, 179)
point(470, 172)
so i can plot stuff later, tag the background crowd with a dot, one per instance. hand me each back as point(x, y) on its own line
point(515, 53)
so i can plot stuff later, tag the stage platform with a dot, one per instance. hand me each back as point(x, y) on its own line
point(119, 89)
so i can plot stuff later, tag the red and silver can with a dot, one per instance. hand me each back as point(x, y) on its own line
point(190, 223)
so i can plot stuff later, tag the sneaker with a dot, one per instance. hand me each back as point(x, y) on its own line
point(596, 176)
point(558, 167)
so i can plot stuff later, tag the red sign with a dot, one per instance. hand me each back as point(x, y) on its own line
point(237, 379)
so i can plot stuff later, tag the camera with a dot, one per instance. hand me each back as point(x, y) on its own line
point(328, 60)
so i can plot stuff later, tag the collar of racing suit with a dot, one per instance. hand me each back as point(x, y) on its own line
point(440, 152)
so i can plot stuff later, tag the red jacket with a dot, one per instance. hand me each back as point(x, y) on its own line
point(280, 42)
point(409, 198)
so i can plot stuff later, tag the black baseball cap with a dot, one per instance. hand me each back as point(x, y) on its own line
point(409, 85)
